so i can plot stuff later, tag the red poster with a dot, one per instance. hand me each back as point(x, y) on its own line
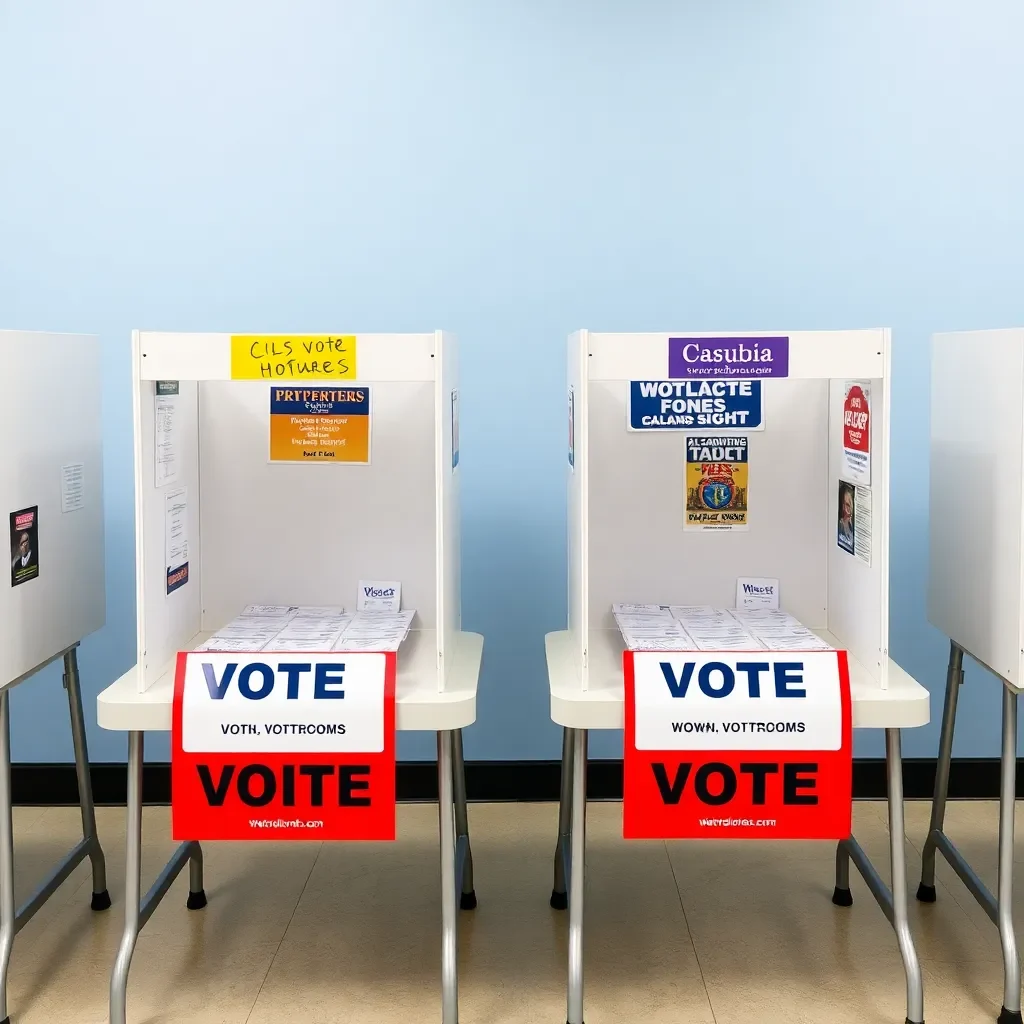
point(752, 745)
point(284, 746)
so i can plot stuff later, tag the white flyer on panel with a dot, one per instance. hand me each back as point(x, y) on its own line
point(176, 527)
point(167, 428)
point(72, 486)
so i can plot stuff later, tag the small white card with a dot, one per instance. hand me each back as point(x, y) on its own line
point(757, 592)
point(379, 596)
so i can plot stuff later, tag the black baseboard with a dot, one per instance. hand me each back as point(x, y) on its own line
point(56, 785)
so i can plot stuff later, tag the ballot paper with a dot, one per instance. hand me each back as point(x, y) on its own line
point(660, 610)
point(764, 617)
point(700, 614)
point(268, 611)
point(238, 645)
point(796, 640)
point(725, 640)
point(317, 611)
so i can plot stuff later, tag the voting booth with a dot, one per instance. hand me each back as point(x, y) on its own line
point(283, 473)
point(976, 582)
point(703, 469)
point(51, 482)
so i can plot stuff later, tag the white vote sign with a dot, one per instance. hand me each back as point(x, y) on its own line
point(283, 703)
point(727, 700)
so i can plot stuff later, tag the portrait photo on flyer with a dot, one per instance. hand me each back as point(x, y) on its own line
point(24, 545)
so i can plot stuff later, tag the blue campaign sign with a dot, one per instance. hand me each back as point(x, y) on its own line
point(688, 404)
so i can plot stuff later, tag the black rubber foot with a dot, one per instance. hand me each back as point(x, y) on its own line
point(468, 900)
point(842, 897)
point(909, 1021)
point(100, 901)
point(196, 901)
point(1008, 1016)
point(559, 901)
point(6, 1020)
point(926, 894)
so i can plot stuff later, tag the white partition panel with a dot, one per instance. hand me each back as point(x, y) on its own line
point(626, 493)
point(976, 506)
point(577, 440)
point(290, 533)
point(166, 622)
point(447, 492)
point(51, 419)
point(858, 592)
point(307, 532)
point(638, 548)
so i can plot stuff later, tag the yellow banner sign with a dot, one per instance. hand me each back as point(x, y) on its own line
point(293, 357)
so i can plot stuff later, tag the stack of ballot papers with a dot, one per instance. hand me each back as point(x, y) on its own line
point(653, 627)
point(290, 628)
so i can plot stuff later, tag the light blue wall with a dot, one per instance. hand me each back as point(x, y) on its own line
point(512, 171)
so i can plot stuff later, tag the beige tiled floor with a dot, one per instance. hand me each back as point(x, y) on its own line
point(679, 932)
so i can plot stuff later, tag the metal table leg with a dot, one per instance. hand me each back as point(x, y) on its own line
point(449, 910)
point(1007, 797)
point(559, 898)
point(7, 908)
point(574, 994)
point(467, 899)
point(100, 896)
point(892, 902)
point(954, 680)
point(999, 908)
point(137, 911)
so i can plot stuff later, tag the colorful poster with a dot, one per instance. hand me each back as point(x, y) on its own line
point(329, 425)
point(707, 358)
point(716, 482)
point(685, 404)
point(293, 357)
point(857, 432)
point(24, 545)
point(720, 746)
point(293, 747)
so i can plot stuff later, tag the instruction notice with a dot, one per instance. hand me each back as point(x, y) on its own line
point(167, 426)
point(72, 486)
point(329, 425)
point(857, 432)
point(293, 357)
point(685, 404)
point(716, 482)
point(853, 530)
point(24, 545)
point(176, 538)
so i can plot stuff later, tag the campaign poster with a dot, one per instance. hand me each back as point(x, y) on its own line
point(327, 425)
point(695, 405)
point(716, 482)
point(857, 432)
point(24, 545)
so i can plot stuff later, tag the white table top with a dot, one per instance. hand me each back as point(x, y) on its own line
point(418, 707)
point(905, 704)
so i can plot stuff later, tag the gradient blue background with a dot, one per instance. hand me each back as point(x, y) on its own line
point(512, 171)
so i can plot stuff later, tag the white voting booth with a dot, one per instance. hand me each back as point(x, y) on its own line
point(627, 543)
point(976, 582)
point(271, 531)
point(51, 481)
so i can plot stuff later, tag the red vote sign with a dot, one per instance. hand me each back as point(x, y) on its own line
point(737, 745)
point(283, 746)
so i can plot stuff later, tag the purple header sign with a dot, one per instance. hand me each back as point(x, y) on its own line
point(750, 358)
